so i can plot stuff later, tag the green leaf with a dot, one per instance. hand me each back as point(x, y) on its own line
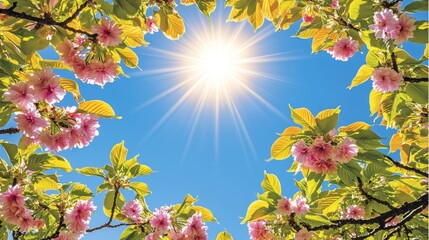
point(97, 107)
point(5, 113)
point(104, 186)
point(309, 30)
point(314, 184)
point(46, 161)
point(129, 6)
point(108, 203)
point(348, 173)
point(418, 92)
point(129, 57)
point(140, 188)
point(132, 233)
point(224, 236)
point(45, 183)
point(206, 214)
point(91, 171)
point(139, 170)
point(403, 58)
point(118, 155)
point(12, 151)
point(327, 119)
point(421, 32)
point(271, 183)
point(80, 191)
point(417, 5)
point(366, 139)
point(257, 210)
point(360, 9)
point(315, 219)
point(363, 74)
point(303, 117)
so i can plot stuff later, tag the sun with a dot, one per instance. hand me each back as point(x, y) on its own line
point(213, 68)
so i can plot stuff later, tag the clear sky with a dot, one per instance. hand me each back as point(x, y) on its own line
point(224, 171)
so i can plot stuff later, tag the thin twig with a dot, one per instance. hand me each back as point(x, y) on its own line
point(344, 23)
point(9, 131)
point(408, 168)
point(112, 213)
point(415, 80)
point(76, 13)
point(370, 197)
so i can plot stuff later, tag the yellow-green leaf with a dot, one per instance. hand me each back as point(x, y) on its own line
point(206, 214)
point(71, 86)
point(355, 127)
point(118, 155)
point(224, 236)
point(281, 148)
point(363, 74)
point(134, 36)
point(271, 183)
point(108, 203)
point(327, 119)
point(171, 24)
point(140, 188)
point(291, 131)
point(395, 142)
point(129, 57)
point(319, 38)
point(99, 108)
point(254, 14)
point(303, 117)
point(375, 101)
point(257, 210)
point(46, 161)
point(270, 9)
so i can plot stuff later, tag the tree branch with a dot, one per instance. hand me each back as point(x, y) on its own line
point(415, 80)
point(370, 197)
point(394, 63)
point(343, 22)
point(387, 4)
point(112, 213)
point(408, 168)
point(76, 13)
point(420, 203)
point(9, 131)
point(47, 20)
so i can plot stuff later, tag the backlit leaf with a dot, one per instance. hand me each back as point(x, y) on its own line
point(118, 155)
point(327, 119)
point(363, 74)
point(224, 236)
point(97, 107)
point(257, 210)
point(271, 183)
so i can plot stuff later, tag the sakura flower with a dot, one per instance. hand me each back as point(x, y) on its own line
point(56, 142)
point(344, 49)
point(356, 212)
point(133, 209)
point(12, 198)
point(321, 149)
point(299, 206)
point(27, 221)
point(196, 228)
point(68, 236)
point(101, 73)
point(300, 151)
point(47, 86)
point(304, 234)
point(320, 165)
point(335, 4)
point(284, 207)
point(67, 51)
point(21, 94)
point(345, 151)
point(30, 123)
point(307, 18)
point(107, 33)
point(258, 230)
point(153, 236)
point(405, 28)
point(77, 219)
point(80, 68)
point(151, 25)
point(385, 24)
point(84, 131)
point(386, 80)
point(161, 221)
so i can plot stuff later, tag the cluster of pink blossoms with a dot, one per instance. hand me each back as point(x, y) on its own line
point(133, 209)
point(13, 210)
point(386, 80)
point(77, 220)
point(95, 72)
point(298, 206)
point(388, 26)
point(258, 230)
point(322, 156)
point(74, 129)
point(304, 234)
point(344, 49)
point(354, 212)
point(194, 229)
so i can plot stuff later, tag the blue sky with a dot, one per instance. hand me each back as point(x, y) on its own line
point(225, 178)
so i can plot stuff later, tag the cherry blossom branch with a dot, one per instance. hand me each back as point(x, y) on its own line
point(387, 4)
point(76, 13)
point(9, 131)
point(408, 168)
point(292, 222)
point(406, 79)
point(370, 197)
point(381, 219)
point(344, 23)
point(112, 213)
point(415, 80)
point(57, 232)
point(47, 20)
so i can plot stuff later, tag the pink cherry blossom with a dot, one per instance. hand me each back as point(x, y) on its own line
point(284, 207)
point(77, 219)
point(101, 73)
point(21, 94)
point(27, 221)
point(299, 206)
point(300, 151)
point(12, 198)
point(151, 25)
point(196, 228)
point(133, 209)
point(386, 80)
point(356, 212)
point(67, 51)
point(258, 230)
point(344, 49)
point(108, 33)
point(335, 4)
point(307, 18)
point(68, 236)
point(304, 234)
point(385, 24)
point(47, 86)
point(405, 28)
point(57, 142)
point(153, 236)
point(30, 123)
point(345, 151)
point(84, 131)
point(161, 221)
point(320, 165)
point(321, 149)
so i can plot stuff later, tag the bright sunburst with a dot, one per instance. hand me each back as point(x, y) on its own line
point(216, 65)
